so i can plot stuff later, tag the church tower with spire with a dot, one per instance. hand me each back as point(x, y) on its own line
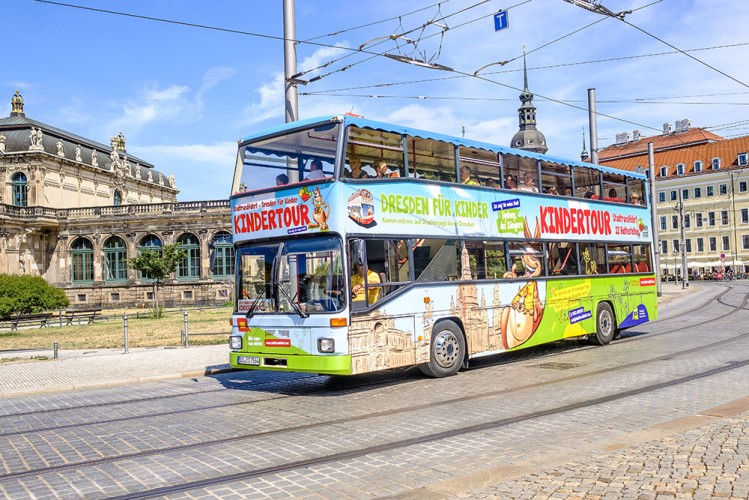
point(528, 137)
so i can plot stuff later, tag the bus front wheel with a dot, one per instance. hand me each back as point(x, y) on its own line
point(605, 325)
point(447, 350)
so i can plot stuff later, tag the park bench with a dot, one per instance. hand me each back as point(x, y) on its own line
point(88, 314)
point(41, 319)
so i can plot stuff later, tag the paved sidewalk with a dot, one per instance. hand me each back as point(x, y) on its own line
point(109, 367)
point(106, 367)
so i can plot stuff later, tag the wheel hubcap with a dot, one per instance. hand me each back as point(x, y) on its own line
point(605, 323)
point(446, 349)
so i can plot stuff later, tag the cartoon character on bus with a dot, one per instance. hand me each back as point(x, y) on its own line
point(521, 318)
point(321, 211)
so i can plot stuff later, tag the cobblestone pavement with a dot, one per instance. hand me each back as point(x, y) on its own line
point(708, 462)
point(673, 443)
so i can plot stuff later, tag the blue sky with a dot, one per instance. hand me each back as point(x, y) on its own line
point(184, 95)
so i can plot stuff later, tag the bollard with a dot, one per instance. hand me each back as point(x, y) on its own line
point(54, 350)
point(187, 341)
point(124, 318)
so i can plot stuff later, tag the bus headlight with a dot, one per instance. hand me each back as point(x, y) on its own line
point(235, 342)
point(325, 345)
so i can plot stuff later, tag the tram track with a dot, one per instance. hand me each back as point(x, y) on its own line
point(491, 425)
point(406, 409)
point(524, 355)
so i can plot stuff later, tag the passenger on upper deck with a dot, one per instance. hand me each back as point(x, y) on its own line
point(282, 180)
point(381, 168)
point(510, 182)
point(315, 171)
point(465, 176)
point(528, 183)
point(635, 199)
point(356, 171)
point(552, 191)
point(490, 183)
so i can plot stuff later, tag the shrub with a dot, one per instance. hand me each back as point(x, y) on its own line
point(23, 294)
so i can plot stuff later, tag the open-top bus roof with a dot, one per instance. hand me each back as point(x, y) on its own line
point(398, 129)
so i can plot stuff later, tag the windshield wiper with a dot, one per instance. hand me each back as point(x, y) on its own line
point(251, 311)
point(291, 300)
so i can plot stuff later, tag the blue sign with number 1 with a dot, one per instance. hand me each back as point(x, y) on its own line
point(501, 21)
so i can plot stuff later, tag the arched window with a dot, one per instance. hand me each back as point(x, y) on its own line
point(189, 267)
point(20, 185)
point(83, 261)
point(149, 243)
point(117, 198)
point(222, 255)
point(115, 259)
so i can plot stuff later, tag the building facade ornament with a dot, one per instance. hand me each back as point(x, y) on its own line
point(94, 158)
point(118, 142)
point(172, 180)
point(78, 153)
point(137, 171)
point(161, 179)
point(60, 148)
point(2, 143)
point(150, 175)
point(114, 161)
point(16, 105)
point(35, 136)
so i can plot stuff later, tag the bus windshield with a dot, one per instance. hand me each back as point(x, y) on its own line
point(293, 277)
point(304, 155)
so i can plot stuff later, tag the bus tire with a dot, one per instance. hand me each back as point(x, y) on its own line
point(446, 350)
point(605, 325)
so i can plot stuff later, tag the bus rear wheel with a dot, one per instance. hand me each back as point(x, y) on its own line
point(447, 350)
point(605, 325)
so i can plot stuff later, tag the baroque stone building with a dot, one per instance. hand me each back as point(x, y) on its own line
point(73, 211)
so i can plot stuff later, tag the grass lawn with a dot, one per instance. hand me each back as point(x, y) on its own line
point(109, 332)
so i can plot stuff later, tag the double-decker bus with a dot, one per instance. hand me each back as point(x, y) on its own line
point(365, 246)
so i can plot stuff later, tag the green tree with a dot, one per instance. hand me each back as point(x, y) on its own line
point(24, 294)
point(157, 264)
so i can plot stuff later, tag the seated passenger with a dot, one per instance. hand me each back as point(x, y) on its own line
point(282, 180)
point(490, 183)
point(635, 199)
point(528, 183)
point(465, 176)
point(315, 171)
point(356, 171)
point(510, 182)
point(357, 284)
point(382, 170)
point(552, 191)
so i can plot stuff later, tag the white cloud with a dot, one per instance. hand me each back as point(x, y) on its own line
point(173, 104)
point(273, 93)
point(201, 170)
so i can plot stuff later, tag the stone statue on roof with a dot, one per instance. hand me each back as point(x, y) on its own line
point(118, 142)
point(60, 148)
point(2, 143)
point(94, 159)
point(35, 136)
point(114, 159)
point(172, 180)
point(78, 153)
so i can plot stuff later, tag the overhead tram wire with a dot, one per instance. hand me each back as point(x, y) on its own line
point(686, 54)
point(390, 38)
point(335, 33)
point(535, 68)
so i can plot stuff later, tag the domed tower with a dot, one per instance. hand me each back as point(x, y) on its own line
point(528, 137)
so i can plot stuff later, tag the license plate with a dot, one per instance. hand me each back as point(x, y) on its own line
point(248, 360)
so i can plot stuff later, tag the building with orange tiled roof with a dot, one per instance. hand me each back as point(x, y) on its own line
point(712, 175)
